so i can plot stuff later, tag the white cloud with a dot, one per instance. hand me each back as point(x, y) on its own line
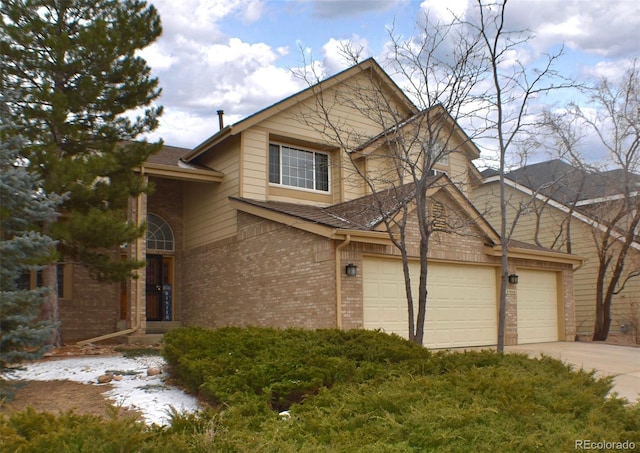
point(202, 70)
point(157, 58)
point(603, 28)
point(445, 11)
point(253, 12)
point(611, 70)
point(335, 58)
point(204, 65)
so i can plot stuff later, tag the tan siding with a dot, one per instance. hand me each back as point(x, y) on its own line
point(458, 170)
point(208, 213)
point(255, 164)
point(352, 184)
point(291, 122)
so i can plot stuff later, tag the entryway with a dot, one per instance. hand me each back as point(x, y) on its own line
point(159, 288)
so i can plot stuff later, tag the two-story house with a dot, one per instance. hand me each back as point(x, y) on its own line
point(269, 222)
point(569, 209)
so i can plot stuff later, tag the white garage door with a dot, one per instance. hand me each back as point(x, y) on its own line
point(461, 305)
point(537, 306)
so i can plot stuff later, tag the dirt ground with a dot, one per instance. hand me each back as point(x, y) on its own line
point(63, 396)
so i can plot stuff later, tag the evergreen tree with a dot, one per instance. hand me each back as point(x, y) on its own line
point(23, 206)
point(87, 99)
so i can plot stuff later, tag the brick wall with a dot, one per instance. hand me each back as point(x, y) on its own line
point(269, 275)
point(93, 309)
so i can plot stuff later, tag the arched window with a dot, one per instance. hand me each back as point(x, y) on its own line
point(159, 234)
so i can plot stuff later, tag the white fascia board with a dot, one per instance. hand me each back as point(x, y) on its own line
point(619, 196)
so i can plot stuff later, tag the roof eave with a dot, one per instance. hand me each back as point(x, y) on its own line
point(184, 174)
point(539, 255)
point(221, 135)
point(366, 236)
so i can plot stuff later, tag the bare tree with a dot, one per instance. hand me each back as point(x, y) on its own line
point(402, 160)
point(615, 212)
point(507, 103)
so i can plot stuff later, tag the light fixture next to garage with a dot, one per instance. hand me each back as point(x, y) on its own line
point(513, 279)
point(351, 270)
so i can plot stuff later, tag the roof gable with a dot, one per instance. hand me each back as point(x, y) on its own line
point(415, 122)
point(168, 163)
point(367, 65)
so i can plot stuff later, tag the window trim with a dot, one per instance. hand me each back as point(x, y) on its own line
point(161, 227)
point(443, 159)
point(32, 279)
point(315, 153)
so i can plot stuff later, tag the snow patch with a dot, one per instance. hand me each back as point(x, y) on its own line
point(150, 395)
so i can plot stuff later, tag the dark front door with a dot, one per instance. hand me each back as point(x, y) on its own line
point(154, 287)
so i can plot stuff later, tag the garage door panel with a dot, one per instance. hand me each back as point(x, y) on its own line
point(461, 302)
point(537, 306)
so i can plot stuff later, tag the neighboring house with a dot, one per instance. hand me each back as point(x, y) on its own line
point(566, 209)
point(259, 225)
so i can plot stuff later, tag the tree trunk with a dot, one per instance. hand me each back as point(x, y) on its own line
point(50, 310)
point(603, 319)
point(407, 287)
point(603, 322)
point(422, 289)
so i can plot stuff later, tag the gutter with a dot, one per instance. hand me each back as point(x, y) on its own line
point(576, 261)
point(138, 323)
point(367, 236)
point(339, 280)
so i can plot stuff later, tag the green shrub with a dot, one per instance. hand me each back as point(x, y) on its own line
point(283, 367)
point(354, 391)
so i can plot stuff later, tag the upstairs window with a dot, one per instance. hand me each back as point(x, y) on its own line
point(437, 152)
point(298, 168)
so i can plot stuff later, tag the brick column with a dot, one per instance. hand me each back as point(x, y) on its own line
point(511, 313)
point(137, 251)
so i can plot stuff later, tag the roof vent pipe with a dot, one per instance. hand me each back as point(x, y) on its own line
point(220, 118)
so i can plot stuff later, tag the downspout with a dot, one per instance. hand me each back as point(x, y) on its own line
point(138, 283)
point(339, 281)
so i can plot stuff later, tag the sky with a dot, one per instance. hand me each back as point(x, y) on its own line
point(240, 55)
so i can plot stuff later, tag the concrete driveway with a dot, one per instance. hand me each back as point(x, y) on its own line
point(609, 360)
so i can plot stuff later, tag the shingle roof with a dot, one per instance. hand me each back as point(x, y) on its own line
point(567, 183)
point(363, 213)
point(168, 155)
point(172, 155)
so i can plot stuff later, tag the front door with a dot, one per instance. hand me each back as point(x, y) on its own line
point(154, 287)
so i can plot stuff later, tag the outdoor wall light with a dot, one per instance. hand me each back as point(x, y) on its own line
point(351, 269)
point(513, 279)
